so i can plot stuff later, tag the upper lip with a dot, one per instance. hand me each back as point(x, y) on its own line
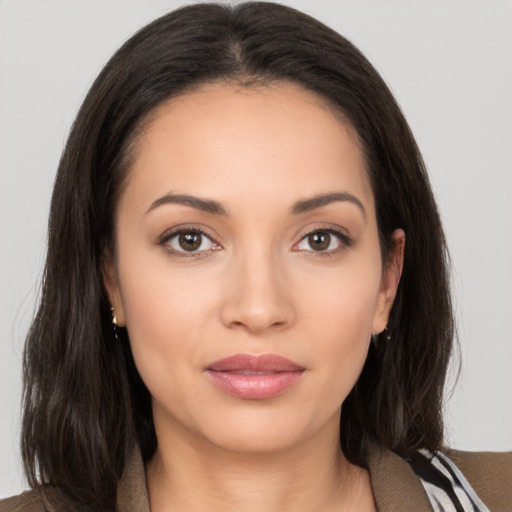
point(255, 363)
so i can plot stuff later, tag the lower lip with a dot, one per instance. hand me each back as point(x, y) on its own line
point(254, 386)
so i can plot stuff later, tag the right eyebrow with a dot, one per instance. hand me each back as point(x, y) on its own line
point(204, 205)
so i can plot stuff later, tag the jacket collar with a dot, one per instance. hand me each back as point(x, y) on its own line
point(132, 491)
point(395, 486)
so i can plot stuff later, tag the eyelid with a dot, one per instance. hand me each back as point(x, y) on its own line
point(187, 228)
point(342, 234)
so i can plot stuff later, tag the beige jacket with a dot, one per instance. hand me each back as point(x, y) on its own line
point(395, 486)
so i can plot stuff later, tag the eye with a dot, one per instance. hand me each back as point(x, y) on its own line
point(191, 241)
point(323, 241)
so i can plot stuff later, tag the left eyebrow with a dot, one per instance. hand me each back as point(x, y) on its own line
point(204, 205)
point(306, 205)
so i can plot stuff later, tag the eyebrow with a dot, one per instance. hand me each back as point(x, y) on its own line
point(215, 208)
point(204, 205)
point(312, 203)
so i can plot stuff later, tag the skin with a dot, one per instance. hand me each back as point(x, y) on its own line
point(256, 286)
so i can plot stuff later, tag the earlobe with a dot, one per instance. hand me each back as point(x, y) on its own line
point(389, 284)
point(111, 283)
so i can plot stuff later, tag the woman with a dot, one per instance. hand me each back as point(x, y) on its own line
point(245, 303)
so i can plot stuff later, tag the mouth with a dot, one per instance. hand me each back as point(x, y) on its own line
point(254, 377)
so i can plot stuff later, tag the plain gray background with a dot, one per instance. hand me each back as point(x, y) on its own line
point(449, 64)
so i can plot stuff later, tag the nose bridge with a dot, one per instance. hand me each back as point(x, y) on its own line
point(258, 296)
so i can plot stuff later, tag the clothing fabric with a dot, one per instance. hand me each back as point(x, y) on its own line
point(446, 487)
point(398, 485)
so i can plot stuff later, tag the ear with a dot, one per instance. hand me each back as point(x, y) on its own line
point(111, 283)
point(391, 274)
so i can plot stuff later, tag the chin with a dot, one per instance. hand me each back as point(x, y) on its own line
point(254, 440)
point(261, 428)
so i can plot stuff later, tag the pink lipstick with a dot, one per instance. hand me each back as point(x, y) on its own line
point(254, 377)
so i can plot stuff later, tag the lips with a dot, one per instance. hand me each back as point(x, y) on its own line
point(254, 377)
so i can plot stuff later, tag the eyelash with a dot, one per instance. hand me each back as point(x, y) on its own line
point(169, 235)
point(345, 242)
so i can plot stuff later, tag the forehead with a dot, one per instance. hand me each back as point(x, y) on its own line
point(234, 142)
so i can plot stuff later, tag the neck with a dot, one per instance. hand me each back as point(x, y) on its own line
point(192, 474)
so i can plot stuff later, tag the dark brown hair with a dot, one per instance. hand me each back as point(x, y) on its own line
point(85, 405)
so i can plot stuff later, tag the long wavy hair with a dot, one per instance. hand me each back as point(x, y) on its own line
point(85, 406)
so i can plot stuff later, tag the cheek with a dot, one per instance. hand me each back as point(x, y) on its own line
point(166, 312)
point(157, 294)
point(337, 312)
point(342, 300)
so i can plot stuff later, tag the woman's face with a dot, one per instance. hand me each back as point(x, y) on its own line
point(248, 269)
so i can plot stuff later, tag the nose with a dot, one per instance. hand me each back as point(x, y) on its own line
point(257, 296)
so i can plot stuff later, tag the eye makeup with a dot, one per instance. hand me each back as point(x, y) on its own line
point(188, 242)
point(324, 241)
point(192, 241)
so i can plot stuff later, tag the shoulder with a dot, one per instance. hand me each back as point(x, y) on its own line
point(28, 501)
point(397, 485)
point(488, 473)
point(47, 499)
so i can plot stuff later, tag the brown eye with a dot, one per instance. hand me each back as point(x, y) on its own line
point(319, 241)
point(323, 242)
point(190, 241)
